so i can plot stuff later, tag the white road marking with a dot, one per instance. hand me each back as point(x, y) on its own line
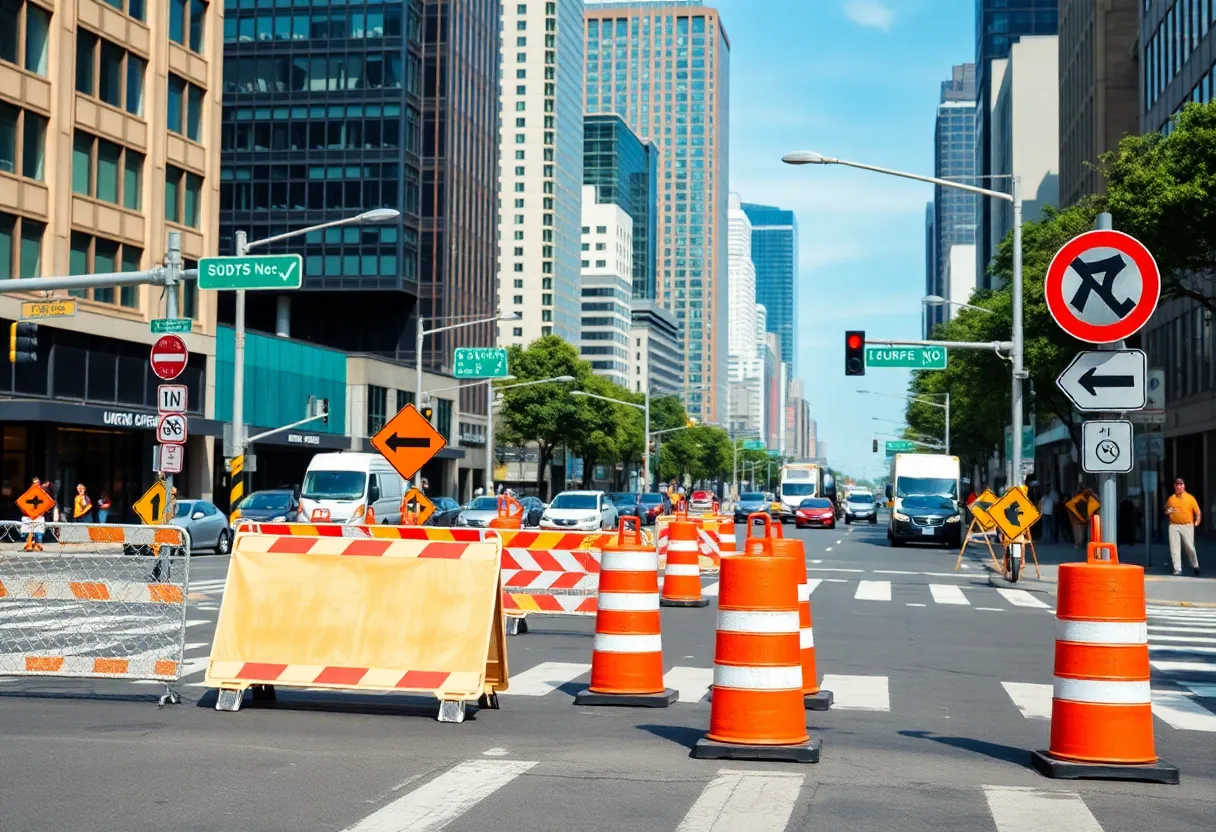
point(1021, 598)
point(710, 590)
point(1185, 667)
point(831, 569)
point(434, 805)
point(1187, 639)
point(830, 549)
point(838, 542)
point(1179, 648)
point(948, 594)
point(873, 591)
point(858, 693)
point(1033, 700)
point(817, 561)
point(758, 801)
point(990, 609)
point(910, 604)
point(1022, 809)
point(692, 683)
point(835, 580)
point(893, 572)
point(1197, 630)
point(811, 583)
point(1181, 711)
point(1200, 689)
point(545, 677)
point(494, 752)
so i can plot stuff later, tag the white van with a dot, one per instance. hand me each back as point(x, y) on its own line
point(347, 483)
point(925, 491)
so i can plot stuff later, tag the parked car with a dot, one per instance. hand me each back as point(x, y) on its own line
point(701, 502)
point(478, 513)
point(815, 511)
point(860, 506)
point(277, 506)
point(750, 502)
point(651, 505)
point(534, 507)
point(205, 525)
point(446, 511)
point(627, 503)
point(580, 511)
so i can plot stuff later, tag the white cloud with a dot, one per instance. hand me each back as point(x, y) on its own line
point(870, 14)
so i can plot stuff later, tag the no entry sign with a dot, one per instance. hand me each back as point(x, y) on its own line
point(1102, 286)
point(169, 356)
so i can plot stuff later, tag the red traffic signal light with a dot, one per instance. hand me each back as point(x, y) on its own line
point(855, 353)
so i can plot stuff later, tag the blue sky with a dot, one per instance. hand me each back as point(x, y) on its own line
point(858, 80)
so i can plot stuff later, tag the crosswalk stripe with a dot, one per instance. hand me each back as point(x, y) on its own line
point(811, 583)
point(1181, 711)
point(873, 591)
point(753, 800)
point(434, 805)
point(1021, 598)
point(1186, 667)
point(1023, 809)
point(544, 678)
point(1197, 630)
point(1187, 639)
point(1033, 700)
point(1179, 648)
point(1208, 691)
point(711, 590)
point(858, 693)
point(948, 594)
point(692, 683)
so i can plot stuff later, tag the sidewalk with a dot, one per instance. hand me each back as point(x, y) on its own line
point(1160, 584)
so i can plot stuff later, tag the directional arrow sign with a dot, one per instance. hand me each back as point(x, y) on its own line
point(1111, 381)
point(408, 441)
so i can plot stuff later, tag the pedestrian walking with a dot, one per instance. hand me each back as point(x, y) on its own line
point(82, 506)
point(1183, 511)
point(103, 506)
point(1048, 507)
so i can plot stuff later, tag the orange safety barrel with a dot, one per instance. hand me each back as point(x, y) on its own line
point(682, 575)
point(761, 544)
point(510, 514)
point(1101, 705)
point(726, 535)
point(319, 515)
point(756, 710)
point(814, 697)
point(627, 657)
point(370, 516)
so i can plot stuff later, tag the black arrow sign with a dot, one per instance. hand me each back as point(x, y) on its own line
point(1013, 515)
point(397, 441)
point(1091, 381)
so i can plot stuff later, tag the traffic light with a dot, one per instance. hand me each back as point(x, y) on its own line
point(854, 353)
point(875, 446)
point(23, 343)
point(428, 412)
point(324, 405)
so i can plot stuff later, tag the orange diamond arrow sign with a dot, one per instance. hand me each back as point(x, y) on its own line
point(408, 441)
point(35, 502)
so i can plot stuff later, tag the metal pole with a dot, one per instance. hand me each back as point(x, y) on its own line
point(238, 362)
point(1108, 492)
point(173, 267)
point(419, 334)
point(1018, 347)
point(489, 436)
point(646, 443)
point(947, 423)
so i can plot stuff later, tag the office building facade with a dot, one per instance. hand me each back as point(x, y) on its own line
point(657, 356)
point(540, 156)
point(607, 288)
point(953, 158)
point(998, 25)
point(624, 171)
point(109, 129)
point(774, 251)
point(665, 68)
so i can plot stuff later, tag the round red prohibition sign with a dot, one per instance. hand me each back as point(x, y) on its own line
point(1102, 286)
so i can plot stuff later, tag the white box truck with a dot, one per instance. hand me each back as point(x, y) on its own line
point(924, 489)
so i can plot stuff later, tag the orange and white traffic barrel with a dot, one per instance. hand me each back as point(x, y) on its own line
point(815, 697)
point(726, 535)
point(510, 514)
point(682, 575)
point(756, 711)
point(627, 662)
point(1101, 705)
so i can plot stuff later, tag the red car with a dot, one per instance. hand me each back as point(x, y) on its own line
point(702, 502)
point(815, 511)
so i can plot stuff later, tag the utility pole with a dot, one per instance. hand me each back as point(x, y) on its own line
point(1108, 493)
point(238, 377)
point(173, 273)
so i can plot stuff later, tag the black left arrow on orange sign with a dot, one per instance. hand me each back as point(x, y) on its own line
point(408, 441)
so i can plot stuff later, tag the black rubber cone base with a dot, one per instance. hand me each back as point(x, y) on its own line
point(821, 701)
point(1058, 769)
point(707, 749)
point(627, 700)
point(700, 602)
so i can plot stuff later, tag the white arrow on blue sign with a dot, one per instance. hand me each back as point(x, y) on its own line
point(1112, 381)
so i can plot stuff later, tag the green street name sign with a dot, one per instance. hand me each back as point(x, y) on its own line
point(753, 445)
point(268, 271)
point(162, 326)
point(900, 446)
point(915, 358)
point(480, 362)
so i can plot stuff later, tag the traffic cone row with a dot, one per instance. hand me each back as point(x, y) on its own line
point(682, 575)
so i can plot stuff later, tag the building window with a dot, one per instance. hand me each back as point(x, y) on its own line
point(109, 73)
point(187, 20)
point(91, 255)
point(183, 192)
point(187, 290)
point(377, 406)
point(106, 171)
point(24, 35)
point(22, 136)
point(185, 110)
point(443, 417)
point(20, 246)
point(134, 8)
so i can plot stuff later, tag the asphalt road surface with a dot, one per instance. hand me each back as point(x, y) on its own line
point(942, 684)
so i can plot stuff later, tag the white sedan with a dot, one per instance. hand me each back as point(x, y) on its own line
point(580, 511)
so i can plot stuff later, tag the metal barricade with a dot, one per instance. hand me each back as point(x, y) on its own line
point(94, 601)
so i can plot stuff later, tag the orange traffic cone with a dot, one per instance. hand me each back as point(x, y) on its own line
point(756, 712)
point(369, 519)
point(510, 514)
point(726, 536)
point(627, 662)
point(815, 697)
point(1101, 707)
point(682, 576)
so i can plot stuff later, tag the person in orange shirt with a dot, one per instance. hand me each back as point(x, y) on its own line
point(1184, 514)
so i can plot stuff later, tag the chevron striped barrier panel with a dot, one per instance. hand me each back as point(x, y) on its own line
point(708, 543)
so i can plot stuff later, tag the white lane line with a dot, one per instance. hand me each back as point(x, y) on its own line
point(1181, 711)
point(858, 693)
point(194, 645)
point(710, 590)
point(1021, 598)
point(692, 683)
point(831, 569)
point(945, 575)
point(948, 594)
point(828, 550)
point(494, 752)
point(990, 609)
point(910, 604)
point(1179, 648)
point(1153, 639)
point(1203, 689)
point(758, 801)
point(1033, 700)
point(836, 580)
point(1197, 630)
point(817, 561)
point(838, 542)
point(873, 591)
point(893, 572)
point(811, 583)
point(1023, 809)
point(434, 805)
point(545, 677)
point(1185, 667)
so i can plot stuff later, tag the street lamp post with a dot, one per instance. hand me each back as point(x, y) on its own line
point(918, 398)
point(938, 300)
point(238, 352)
point(809, 157)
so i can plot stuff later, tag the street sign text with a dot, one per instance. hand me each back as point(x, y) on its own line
point(267, 271)
point(916, 358)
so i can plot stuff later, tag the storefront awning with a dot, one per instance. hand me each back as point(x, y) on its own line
point(116, 417)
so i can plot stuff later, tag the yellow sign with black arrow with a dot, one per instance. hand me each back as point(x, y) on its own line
point(1083, 506)
point(980, 508)
point(151, 507)
point(424, 507)
point(1014, 513)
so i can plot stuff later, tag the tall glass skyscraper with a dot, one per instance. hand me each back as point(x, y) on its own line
point(665, 68)
point(775, 253)
point(624, 171)
point(953, 157)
